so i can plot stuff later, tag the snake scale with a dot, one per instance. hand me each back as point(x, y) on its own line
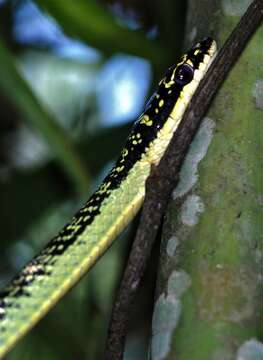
point(68, 256)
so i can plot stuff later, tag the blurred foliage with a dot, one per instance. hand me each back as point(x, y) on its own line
point(33, 112)
point(88, 21)
point(36, 198)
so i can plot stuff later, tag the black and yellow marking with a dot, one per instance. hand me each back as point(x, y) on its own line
point(66, 258)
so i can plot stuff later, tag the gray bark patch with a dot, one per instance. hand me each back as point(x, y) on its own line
point(235, 7)
point(257, 93)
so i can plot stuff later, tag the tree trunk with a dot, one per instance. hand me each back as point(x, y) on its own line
point(209, 290)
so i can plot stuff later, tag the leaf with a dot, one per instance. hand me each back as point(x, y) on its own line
point(91, 23)
point(21, 95)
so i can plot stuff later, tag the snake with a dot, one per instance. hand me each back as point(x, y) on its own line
point(68, 256)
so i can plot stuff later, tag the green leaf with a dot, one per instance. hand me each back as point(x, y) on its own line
point(91, 23)
point(21, 95)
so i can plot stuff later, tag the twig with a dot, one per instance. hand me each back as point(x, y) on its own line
point(164, 178)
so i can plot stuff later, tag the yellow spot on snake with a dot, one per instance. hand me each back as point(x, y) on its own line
point(103, 188)
point(92, 208)
point(52, 248)
point(29, 278)
point(161, 103)
point(124, 152)
point(169, 84)
point(120, 168)
point(189, 62)
point(146, 120)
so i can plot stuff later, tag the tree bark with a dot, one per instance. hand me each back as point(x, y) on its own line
point(209, 289)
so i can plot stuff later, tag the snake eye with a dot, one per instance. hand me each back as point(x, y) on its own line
point(184, 74)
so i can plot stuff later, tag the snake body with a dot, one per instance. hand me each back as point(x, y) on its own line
point(68, 256)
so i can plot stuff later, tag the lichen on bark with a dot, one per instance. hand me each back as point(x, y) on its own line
point(214, 230)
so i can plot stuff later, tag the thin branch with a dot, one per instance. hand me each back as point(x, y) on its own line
point(164, 177)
